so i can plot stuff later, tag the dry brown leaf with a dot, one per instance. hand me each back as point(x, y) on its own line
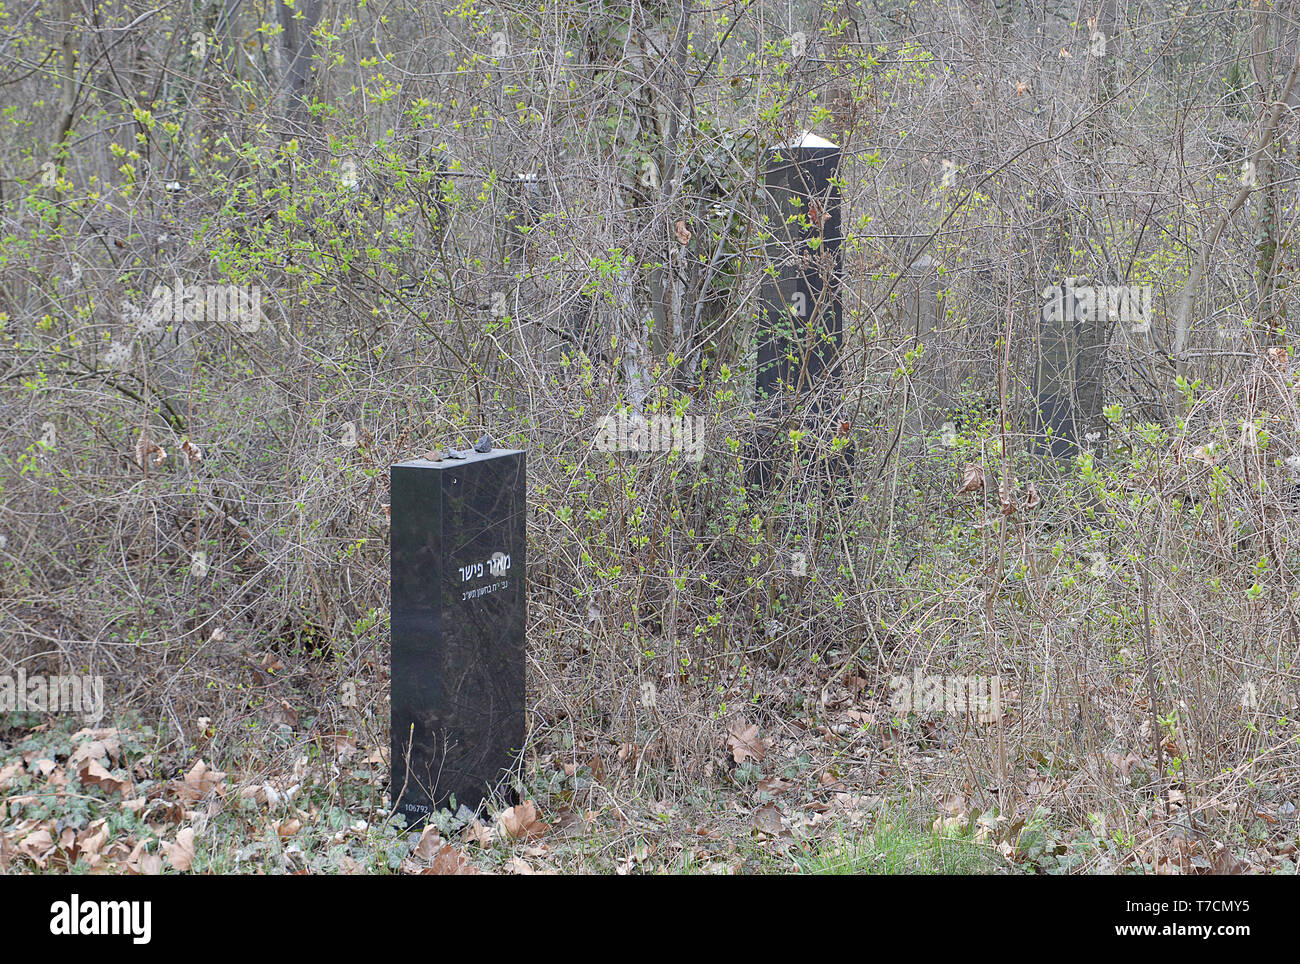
point(93, 774)
point(682, 233)
point(743, 742)
point(181, 853)
point(1032, 500)
point(287, 828)
point(429, 845)
point(201, 781)
point(522, 823)
point(1006, 498)
point(145, 447)
point(972, 478)
point(768, 820)
point(350, 867)
point(8, 773)
point(450, 862)
point(37, 846)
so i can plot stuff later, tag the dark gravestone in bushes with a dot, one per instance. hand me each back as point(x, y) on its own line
point(458, 624)
point(801, 329)
point(1070, 374)
point(571, 316)
point(920, 312)
point(524, 209)
point(801, 332)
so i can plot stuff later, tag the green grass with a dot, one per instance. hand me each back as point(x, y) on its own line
point(895, 845)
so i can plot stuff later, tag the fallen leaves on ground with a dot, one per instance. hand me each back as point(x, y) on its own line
point(200, 781)
point(521, 822)
point(438, 857)
point(450, 862)
point(181, 853)
point(768, 820)
point(94, 774)
point(743, 742)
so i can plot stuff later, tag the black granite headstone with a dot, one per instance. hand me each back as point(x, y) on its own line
point(458, 624)
point(800, 338)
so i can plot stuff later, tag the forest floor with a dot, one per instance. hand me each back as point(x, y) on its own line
point(839, 788)
point(95, 800)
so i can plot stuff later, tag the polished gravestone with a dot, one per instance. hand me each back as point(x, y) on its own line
point(458, 625)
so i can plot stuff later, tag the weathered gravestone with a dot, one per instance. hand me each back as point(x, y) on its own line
point(1054, 431)
point(800, 333)
point(920, 312)
point(458, 625)
point(802, 326)
point(1070, 372)
point(551, 317)
point(524, 209)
